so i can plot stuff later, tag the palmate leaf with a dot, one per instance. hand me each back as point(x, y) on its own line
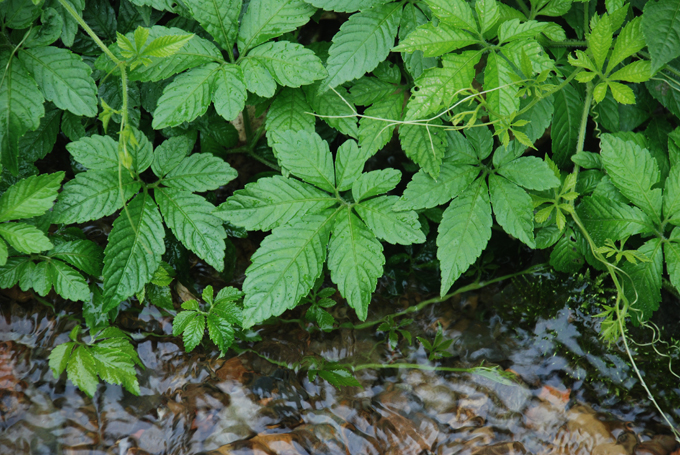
point(530, 172)
point(63, 78)
point(333, 110)
point(166, 46)
point(67, 282)
point(644, 292)
point(497, 77)
point(375, 132)
point(288, 111)
point(82, 371)
point(349, 162)
point(362, 42)
point(393, 227)
point(219, 18)
point(221, 331)
point(83, 254)
point(425, 145)
point(355, 260)
point(305, 155)
point(290, 64)
point(193, 331)
point(629, 41)
point(92, 195)
point(424, 192)
point(464, 231)
point(257, 78)
point(25, 238)
point(59, 356)
point(30, 197)
point(115, 367)
point(200, 172)
point(95, 152)
point(662, 31)
point(267, 19)
point(271, 202)
point(285, 267)
point(346, 6)
point(600, 41)
point(434, 41)
point(565, 124)
point(186, 97)
point(374, 183)
point(605, 218)
point(229, 91)
point(189, 217)
point(133, 251)
point(21, 107)
point(513, 209)
point(170, 154)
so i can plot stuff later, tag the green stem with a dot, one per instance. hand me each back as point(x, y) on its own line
point(524, 8)
point(580, 142)
point(67, 6)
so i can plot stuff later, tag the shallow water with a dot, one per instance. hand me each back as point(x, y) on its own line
point(571, 396)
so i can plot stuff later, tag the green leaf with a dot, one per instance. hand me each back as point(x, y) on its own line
point(200, 172)
point(355, 260)
point(25, 238)
point(514, 30)
point(530, 172)
point(333, 110)
point(464, 231)
point(272, 202)
point(629, 42)
point(565, 125)
point(672, 252)
point(438, 87)
point(411, 18)
point(600, 41)
point(368, 90)
point(133, 251)
point(92, 195)
point(83, 254)
point(81, 370)
point(513, 209)
point(349, 163)
point(35, 145)
point(29, 197)
point(424, 145)
point(21, 106)
point(63, 78)
point(362, 42)
point(661, 28)
point(394, 227)
point(220, 331)
point(186, 97)
point(59, 356)
point(434, 41)
point(3, 252)
point(289, 111)
point(225, 298)
point(219, 18)
point(671, 196)
point(638, 71)
point(257, 78)
point(41, 279)
point(189, 217)
point(644, 293)
point(424, 192)
point(68, 283)
point(605, 218)
point(498, 77)
point(179, 322)
point(19, 14)
point(346, 6)
point(229, 91)
point(70, 26)
point(114, 365)
point(307, 156)
point(15, 268)
point(565, 256)
point(481, 140)
point(339, 378)
point(622, 93)
point(290, 64)
point(95, 152)
point(267, 19)
point(159, 296)
point(453, 12)
point(487, 14)
point(193, 332)
point(374, 183)
point(285, 267)
point(170, 154)
point(374, 134)
point(633, 171)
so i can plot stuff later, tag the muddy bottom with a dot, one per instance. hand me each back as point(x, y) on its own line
point(571, 395)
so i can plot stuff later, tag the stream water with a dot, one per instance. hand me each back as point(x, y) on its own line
point(572, 395)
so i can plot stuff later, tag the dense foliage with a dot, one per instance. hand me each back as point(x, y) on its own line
point(555, 122)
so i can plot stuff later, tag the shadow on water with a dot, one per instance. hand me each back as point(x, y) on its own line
point(572, 395)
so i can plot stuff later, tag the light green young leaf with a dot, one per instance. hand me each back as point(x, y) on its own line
point(464, 231)
point(189, 217)
point(81, 370)
point(513, 209)
point(638, 71)
point(374, 183)
point(68, 283)
point(257, 78)
point(59, 356)
point(374, 132)
point(346, 6)
point(339, 378)
point(349, 163)
point(530, 172)
point(333, 110)
point(600, 41)
point(434, 41)
point(229, 91)
point(221, 331)
point(497, 77)
point(290, 64)
point(487, 14)
point(633, 171)
point(437, 87)
point(605, 218)
point(453, 12)
point(362, 42)
point(307, 156)
point(219, 18)
point(200, 172)
point(426, 146)
point(267, 19)
point(662, 31)
point(170, 154)
point(271, 202)
point(644, 293)
point(133, 251)
point(25, 238)
point(29, 197)
point(285, 267)
point(63, 78)
point(565, 124)
point(355, 260)
point(115, 366)
point(83, 254)
point(186, 97)
point(622, 93)
point(514, 30)
point(394, 227)
point(629, 41)
point(424, 192)
point(166, 46)
point(180, 322)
